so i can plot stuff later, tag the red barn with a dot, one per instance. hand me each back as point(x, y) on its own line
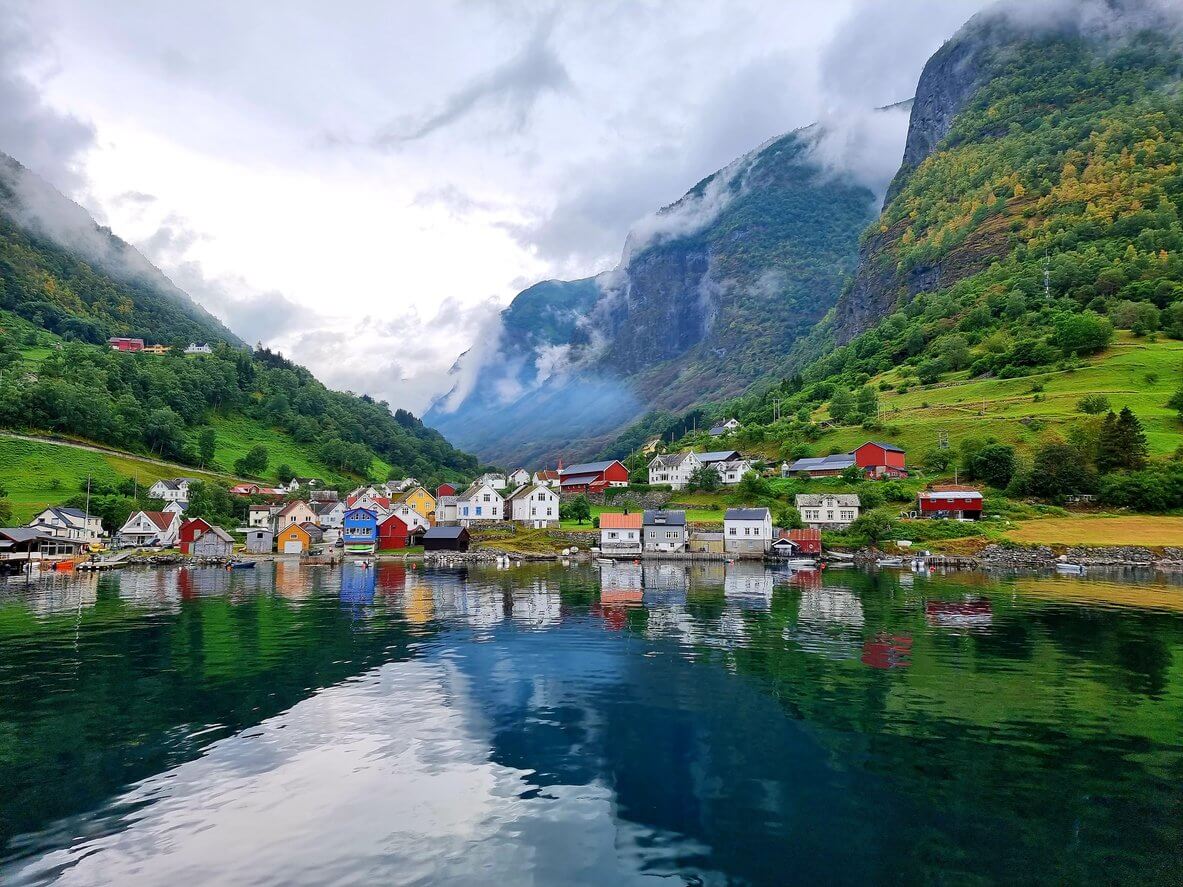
point(393, 534)
point(808, 541)
point(190, 530)
point(593, 477)
point(951, 501)
point(445, 490)
point(121, 343)
point(881, 459)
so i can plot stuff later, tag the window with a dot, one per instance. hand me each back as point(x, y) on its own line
point(486, 498)
point(478, 511)
point(747, 531)
point(732, 531)
point(466, 511)
point(549, 511)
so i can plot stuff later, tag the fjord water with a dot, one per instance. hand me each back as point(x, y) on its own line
point(589, 725)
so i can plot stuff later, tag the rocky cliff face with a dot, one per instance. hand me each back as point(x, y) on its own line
point(709, 297)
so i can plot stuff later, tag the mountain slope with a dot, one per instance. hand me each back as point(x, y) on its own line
point(64, 273)
point(710, 294)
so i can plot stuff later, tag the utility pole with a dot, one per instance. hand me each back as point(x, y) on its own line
point(1047, 274)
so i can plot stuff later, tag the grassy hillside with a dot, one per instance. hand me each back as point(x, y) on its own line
point(38, 474)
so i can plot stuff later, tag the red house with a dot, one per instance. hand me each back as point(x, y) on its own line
point(121, 343)
point(445, 490)
point(593, 477)
point(393, 534)
point(951, 501)
point(808, 541)
point(881, 460)
point(190, 530)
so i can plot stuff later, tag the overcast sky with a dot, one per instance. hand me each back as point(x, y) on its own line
point(365, 184)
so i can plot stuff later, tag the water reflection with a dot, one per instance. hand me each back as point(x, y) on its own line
point(597, 724)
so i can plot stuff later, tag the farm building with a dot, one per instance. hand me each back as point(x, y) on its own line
point(122, 343)
point(824, 466)
point(260, 540)
point(951, 501)
point(212, 542)
point(446, 539)
point(808, 540)
point(293, 539)
point(881, 459)
point(593, 477)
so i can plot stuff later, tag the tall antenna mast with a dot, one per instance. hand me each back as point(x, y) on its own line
point(1047, 274)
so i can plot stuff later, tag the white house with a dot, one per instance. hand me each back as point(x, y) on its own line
point(259, 516)
point(174, 490)
point(828, 510)
point(295, 512)
point(410, 516)
point(492, 479)
point(480, 502)
point(747, 530)
point(401, 486)
point(620, 533)
point(732, 471)
point(518, 477)
point(335, 516)
point(68, 523)
point(673, 469)
point(198, 348)
point(548, 477)
point(724, 428)
point(296, 482)
point(535, 505)
point(150, 528)
point(445, 510)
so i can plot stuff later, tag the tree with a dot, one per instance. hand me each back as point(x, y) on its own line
point(207, 445)
point(1059, 471)
point(284, 473)
point(753, 487)
point(1133, 440)
point(938, 459)
point(953, 352)
point(1093, 404)
point(1083, 333)
point(841, 405)
point(1176, 402)
point(874, 526)
point(852, 474)
point(580, 509)
point(993, 464)
point(867, 402)
point(704, 477)
point(254, 463)
point(789, 518)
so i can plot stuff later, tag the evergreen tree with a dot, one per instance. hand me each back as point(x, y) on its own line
point(1109, 455)
point(841, 405)
point(1133, 440)
point(207, 444)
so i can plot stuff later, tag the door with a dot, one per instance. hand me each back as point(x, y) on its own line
point(293, 546)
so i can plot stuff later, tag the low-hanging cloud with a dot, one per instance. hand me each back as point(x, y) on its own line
point(513, 87)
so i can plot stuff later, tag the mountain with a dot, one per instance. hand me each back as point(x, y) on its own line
point(61, 270)
point(709, 296)
point(66, 284)
point(1036, 211)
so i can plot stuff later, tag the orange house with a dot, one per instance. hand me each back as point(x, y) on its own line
point(293, 539)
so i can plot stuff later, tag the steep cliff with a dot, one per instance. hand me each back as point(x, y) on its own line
point(709, 296)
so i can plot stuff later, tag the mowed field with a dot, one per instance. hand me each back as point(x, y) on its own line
point(1133, 372)
point(236, 436)
point(1132, 530)
point(38, 474)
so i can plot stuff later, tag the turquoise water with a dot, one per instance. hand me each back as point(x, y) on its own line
point(589, 725)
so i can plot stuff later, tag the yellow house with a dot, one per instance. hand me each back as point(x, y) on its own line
point(156, 349)
point(293, 539)
point(422, 501)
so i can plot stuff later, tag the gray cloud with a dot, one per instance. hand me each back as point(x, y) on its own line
point(47, 141)
point(513, 87)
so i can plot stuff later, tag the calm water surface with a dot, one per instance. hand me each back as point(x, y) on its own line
point(589, 725)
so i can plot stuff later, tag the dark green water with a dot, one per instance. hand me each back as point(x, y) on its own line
point(558, 726)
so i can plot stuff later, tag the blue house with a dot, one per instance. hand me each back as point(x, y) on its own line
point(359, 530)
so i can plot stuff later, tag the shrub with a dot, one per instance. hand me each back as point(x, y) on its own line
point(1093, 404)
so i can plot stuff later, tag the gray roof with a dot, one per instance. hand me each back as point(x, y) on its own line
point(587, 468)
point(664, 518)
point(669, 460)
point(520, 491)
point(23, 534)
point(444, 533)
point(445, 500)
point(746, 514)
point(718, 456)
point(219, 532)
point(824, 463)
point(814, 500)
point(889, 447)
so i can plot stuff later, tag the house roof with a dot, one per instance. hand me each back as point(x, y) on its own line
point(266, 508)
point(614, 521)
point(718, 429)
point(665, 518)
point(162, 520)
point(587, 468)
point(22, 534)
point(814, 500)
point(219, 532)
point(718, 456)
point(547, 474)
point(948, 495)
point(808, 534)
point(670, 460)
point(445, 500)
point(523, 490)
point(836, 462)
point(314, 532)
point(732, 464)
point(746, 514)
point(574, 479)
point(473, 490)
point(444, 533)
point(390, 518)
point(291, 506)
point(368, 511)
point(891, 448)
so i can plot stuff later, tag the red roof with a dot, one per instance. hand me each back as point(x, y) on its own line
point(162, 519)
point(614, 521)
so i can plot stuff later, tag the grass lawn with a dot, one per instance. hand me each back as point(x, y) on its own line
point(523, 541)
point(236, 436)
point(399, 552)
point(1132, 530)
point(38, 475)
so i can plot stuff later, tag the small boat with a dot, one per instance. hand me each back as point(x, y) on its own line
point(605, 560)
point(1070, 569)
point(889, 562)
point(798, 562)
point(240, 565)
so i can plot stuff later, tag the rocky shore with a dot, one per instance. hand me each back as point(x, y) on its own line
point(1043, 557)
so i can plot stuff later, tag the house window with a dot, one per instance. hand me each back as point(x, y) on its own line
point(478, 511)
point(466, 511)
point(486, 498)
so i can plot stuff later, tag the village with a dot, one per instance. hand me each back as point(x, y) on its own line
point(306, 518)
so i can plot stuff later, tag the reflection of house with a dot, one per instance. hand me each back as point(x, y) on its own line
point(620, 533)
point(664, 531)
point(747, 530)
point(748, 580)
point(828, 510)
point(887, 651)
